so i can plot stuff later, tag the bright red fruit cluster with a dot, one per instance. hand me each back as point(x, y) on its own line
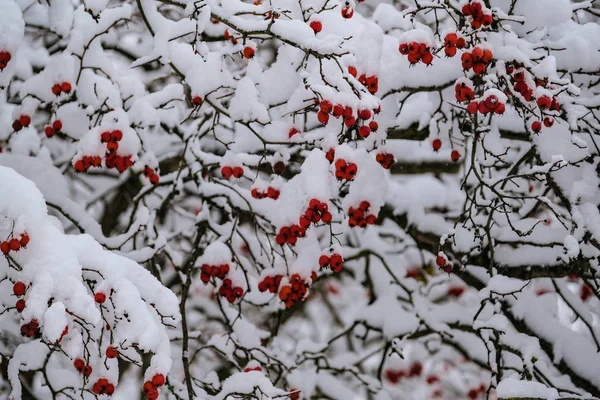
point(443, 263)
point(51, 130)
point(452, 42)
point(478, 59)
point(270, 283)
point(270, 193)
point(230, 292)
point(81, 367)
point(5, 57)
point(103, 386)
point(479, 17)
point(416, 52)
point(290, 234)
point(31, 328)
point(490, 104)
point(213, 271)
point(86, 162)
point(59, 88)
point(295, 291)
point(23, 122)
point(151, 386)
point(335, 262)
point(475, 392)
point(151, 175)
point(359, 216)
point(385, 159)
point(14, 244)
point(316, 211)
point(463, 92)
point(345, 170)
point(228, 172)
point(370, 82)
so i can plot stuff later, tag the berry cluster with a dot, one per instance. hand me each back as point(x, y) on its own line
point(5, 57)
point(270, 284)
point(151, 386)
point(326, 108)
point(491, 104)
point(295, 291)
point(365, 130)
point(385, 159)
point(452, 42)
point(14, 244)
point(335, 262)
point(111, 139)
point(230, 37)
point(51, 130)
point(345, 170)
point(443, 263)
point(316, 211)
point(30, 329)
point(290, 234)
point(151, 175)
point(103, 386)
point(370, 82)
point(395, 375)
point(82, 367)
point(86, 162)
point(479, 16)
point(228, 172)
point(416, 52)
point(478, 59)
point(59, 88)
point(213, 271)
point(463, 90)
point(545, 103)
point(270, 193)
point(230, 292)
point(359, 216)
point(23, 122)
point(316, 26)
point(520, 82)
point(19, 289)
point(474, 393)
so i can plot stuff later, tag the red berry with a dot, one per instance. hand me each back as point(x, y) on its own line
point(111, 352)
point(65, 87)
point(116, 135)
point(324, 261)
point(536, 126)
point(325, 106)
point(196, 100)
point(226, 172)
point(20, 305)
point(79, 364)
point(548, 122)
point(56, 89)
point(24, 239)
point(364, 114)
point(364, 131)
point(25, 120)
point(347, 12)
point(436, 144)
point(544, 103)
point(15, 245)
point(100, 298)
point(158, 380)
point(373, 125)
point(352, 71)
point(57, 125)
point(316, 26)
point(323, 117)
point(473, 107)
point(49, 131)
point(16, 125)
point(19, 288)
point(87, 370)
point(455, 155)
point(237, 172)
point(248, 52)
point(5, 247)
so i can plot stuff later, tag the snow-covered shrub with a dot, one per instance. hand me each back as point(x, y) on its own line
point(299, 199)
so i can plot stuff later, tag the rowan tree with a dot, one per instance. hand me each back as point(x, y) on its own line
point(312, 199)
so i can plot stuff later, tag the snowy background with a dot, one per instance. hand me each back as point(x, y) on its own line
point(299, 199)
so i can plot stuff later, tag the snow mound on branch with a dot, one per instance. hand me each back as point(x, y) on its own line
point(245, 105)
point(513, 388)
point(58, 268)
